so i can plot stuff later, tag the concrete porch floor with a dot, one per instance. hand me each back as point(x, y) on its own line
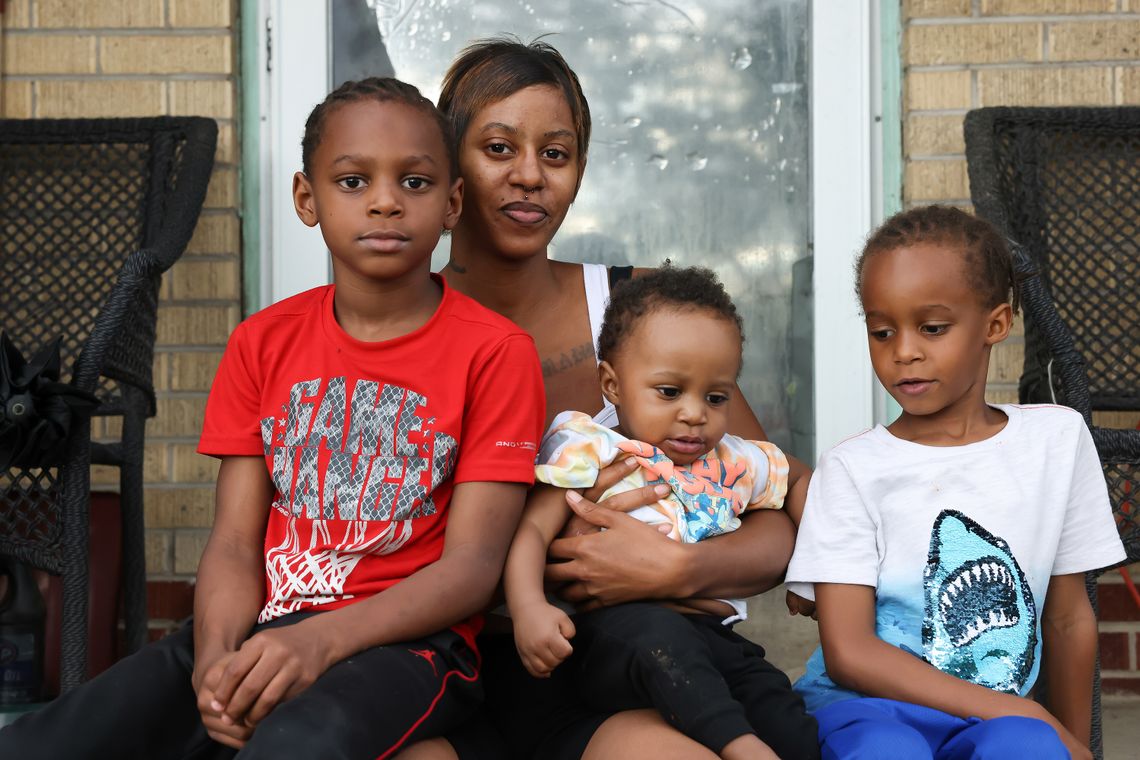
point(1121, 728)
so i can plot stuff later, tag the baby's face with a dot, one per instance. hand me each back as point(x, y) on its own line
point(672, 379)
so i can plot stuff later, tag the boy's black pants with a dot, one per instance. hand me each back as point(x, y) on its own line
point(366, 707)
point(707, 681)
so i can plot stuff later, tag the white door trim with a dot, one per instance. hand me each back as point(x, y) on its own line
point(293, 256)
point(844, 203)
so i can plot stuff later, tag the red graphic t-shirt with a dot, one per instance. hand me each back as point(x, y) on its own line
point(365, 441)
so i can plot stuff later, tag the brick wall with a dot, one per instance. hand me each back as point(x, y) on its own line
point(963, 54)
point(77, 58)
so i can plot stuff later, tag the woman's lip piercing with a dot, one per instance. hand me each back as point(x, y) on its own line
point(526, 197)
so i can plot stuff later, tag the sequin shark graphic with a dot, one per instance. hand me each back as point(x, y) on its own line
point(980, 621)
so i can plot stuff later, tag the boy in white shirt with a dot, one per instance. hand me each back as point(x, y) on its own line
point(948, 550)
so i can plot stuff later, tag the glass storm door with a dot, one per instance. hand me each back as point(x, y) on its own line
point(702, 147)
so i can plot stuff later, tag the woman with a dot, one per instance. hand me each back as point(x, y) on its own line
point(523, 128)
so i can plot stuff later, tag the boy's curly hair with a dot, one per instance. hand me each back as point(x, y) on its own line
point(382, 90)
point(668, 287)
point(989, 263)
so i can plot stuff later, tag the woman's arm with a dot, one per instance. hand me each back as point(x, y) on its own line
point(277, 663)
point(859, 660)
point(1069, 639)
point(630, 560)
point(230, 588)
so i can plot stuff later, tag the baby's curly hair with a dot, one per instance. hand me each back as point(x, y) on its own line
point(668, 287)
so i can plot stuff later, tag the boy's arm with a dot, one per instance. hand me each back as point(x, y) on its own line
point(278, 663)
point(230, 587)
point(1069, 640)
point(859, 660)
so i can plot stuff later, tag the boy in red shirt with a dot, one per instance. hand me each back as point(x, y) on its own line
point(377, 438)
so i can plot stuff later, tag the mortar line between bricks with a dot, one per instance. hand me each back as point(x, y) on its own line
point(1051, 18)
point(186, 349)
point(937, 111)
point(205, 76)
point(209, 256)
point(928, 68)
point(940, 157)
point(914, 202)
point(101, 31)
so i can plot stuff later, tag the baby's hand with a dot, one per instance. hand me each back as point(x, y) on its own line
point(797, 605)
point(542, 637)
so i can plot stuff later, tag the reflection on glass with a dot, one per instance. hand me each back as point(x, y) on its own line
point(699, 154)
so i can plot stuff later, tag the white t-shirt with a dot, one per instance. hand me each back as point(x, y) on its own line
point(959, 542)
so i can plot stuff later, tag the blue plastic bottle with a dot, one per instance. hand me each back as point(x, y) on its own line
point(21, 636)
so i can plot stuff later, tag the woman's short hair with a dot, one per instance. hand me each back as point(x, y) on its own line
point(489, 70)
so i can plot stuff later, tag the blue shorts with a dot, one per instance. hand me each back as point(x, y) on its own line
point(885, 729)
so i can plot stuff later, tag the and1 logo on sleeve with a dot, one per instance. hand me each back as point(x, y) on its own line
point(351, 474)
point(980, 621)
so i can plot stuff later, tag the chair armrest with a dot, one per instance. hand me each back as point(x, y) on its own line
point(1119, 452)
point(121, 343)
point(1064, 368)
point(136, 276)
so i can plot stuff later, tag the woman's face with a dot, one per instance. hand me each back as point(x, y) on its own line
point(521, 163)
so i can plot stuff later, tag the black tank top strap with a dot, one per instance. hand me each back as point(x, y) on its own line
point(617, 274)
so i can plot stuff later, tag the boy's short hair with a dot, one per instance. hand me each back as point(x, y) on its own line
point(667, 287)
point(988, 261)
point(382, 90)
point(489, 70)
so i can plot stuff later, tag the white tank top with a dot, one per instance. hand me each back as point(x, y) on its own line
point(597, 281)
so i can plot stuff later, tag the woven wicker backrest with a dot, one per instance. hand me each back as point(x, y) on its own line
point(1067, 182)
point(76, 199)
point(92, 211)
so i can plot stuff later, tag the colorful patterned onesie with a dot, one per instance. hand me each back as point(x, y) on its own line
point(707, 496)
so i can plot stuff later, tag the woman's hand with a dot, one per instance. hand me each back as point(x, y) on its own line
point(627, 561)
point(627, 501)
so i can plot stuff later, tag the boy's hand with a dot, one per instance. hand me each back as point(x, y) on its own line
point(271, 666)
point(223, 731)
point(542, 637)
point(1077, 749)
point(797, 605)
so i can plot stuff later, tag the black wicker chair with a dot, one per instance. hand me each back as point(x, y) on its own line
point(92, 212)
point(1064, 186)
